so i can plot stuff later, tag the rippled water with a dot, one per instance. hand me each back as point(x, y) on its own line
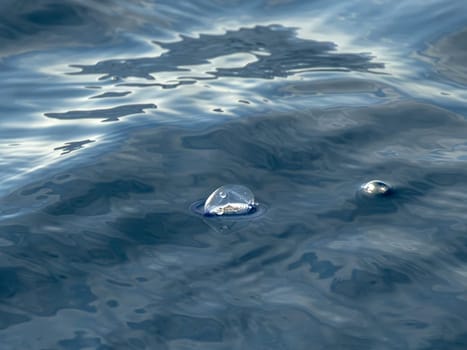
point(117, 116)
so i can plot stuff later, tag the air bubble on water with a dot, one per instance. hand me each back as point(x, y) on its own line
point(230, 200)
point(376, 188)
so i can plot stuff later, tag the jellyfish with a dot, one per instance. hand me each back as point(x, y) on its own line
point(376, 188)
point(230, 200)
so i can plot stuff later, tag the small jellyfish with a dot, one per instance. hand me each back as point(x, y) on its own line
point(376, 188)
point(230, 200)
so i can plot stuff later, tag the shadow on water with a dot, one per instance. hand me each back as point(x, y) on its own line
point(277, 51)
point(89, 198)
point(25, 25)
point(273, 51)
point(449, 55)
point(107, 115)
point(73, 146)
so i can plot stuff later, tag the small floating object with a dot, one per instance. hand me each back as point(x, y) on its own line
point(230, 200)
point(376, 188)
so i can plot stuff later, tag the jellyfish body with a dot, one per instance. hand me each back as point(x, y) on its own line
point(376, 188)
point(230, 200)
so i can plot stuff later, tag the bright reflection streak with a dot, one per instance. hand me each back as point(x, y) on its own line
point(237, 60)
point(25, 157)
point(46, 86)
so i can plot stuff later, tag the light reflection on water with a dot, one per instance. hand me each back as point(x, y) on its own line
point(300, 101)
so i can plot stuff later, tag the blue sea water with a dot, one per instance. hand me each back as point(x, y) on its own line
point(117, 116)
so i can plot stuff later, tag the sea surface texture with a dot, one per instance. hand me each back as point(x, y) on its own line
point(117, 116)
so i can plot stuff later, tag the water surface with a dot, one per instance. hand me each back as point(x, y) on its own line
point(118, 116)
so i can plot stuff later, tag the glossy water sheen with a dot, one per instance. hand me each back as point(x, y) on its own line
point(116, 116)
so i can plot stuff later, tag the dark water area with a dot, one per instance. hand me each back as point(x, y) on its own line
point(117, 116)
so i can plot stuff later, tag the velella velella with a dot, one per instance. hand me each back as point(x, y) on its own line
point(376, 188)
point(230, 200)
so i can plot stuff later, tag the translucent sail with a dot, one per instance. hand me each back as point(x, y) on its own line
point(230, 200)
